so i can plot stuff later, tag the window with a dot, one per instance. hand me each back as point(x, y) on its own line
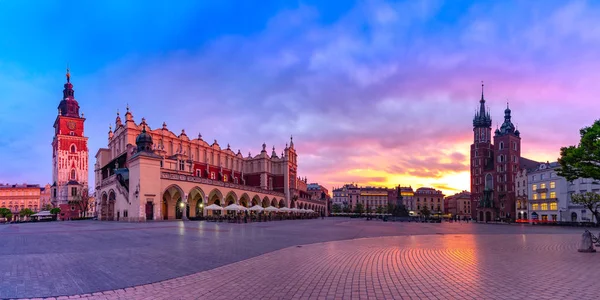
point(73, 191)
point(552, 194)
point(543, 195)
point(225, 178)
point(235, 180)
point(501, 145)
point(73, 174)
point(544, 206)
point(198, 172)
point(534, 187)
point(542, 186)
point(553, 206)
point(535, 206)
point(181, 165)
point(535, 196)
point(212, 175)
point(552, 185)
point(73, 149)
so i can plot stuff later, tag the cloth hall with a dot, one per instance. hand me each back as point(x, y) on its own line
point(155, 174)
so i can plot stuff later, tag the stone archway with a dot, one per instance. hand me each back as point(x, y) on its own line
point(104, 207)
point(112, 199)
point(215, 197)
point(196, 202)
point(256, 200)
point(231, 198)
point(281, 202)
point(172, 203)
point(245, 200)
point(266, 202)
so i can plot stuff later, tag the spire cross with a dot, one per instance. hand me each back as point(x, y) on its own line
point(68, 74)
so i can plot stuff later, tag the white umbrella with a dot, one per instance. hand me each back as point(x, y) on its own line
point(234, 207)
point(271, 208)
point(256, 208)
point(213, 207)
point(310, 211)
point(302, 210)
point(43, 213)
point(285, 209)
point(294, 210)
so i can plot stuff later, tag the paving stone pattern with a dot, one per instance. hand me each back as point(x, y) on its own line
point(265, 261)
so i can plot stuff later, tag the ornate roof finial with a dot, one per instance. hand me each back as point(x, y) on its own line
point(228, 147)
point(199, 136)
point(127, 107)
point(82, 114)
point(482, 91)
point(117, 112)
point(164, 125)
point(109, 127)
point(68, 73)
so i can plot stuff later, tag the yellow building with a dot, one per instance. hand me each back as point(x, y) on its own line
point(20, 196)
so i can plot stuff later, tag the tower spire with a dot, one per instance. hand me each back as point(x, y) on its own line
point(68, 74)
point(482, 100)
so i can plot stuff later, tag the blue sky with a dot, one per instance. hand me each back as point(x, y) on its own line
point(375, 92)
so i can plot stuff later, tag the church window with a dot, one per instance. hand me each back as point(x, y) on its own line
point(501, 145)
point(73, 191)
point(73, 174)
point(181, 165)
point(514, 146)
point(225, 178)
point(72, 148)
point(198, 172)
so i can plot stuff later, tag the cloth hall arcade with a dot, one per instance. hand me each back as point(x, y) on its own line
point(154, 174)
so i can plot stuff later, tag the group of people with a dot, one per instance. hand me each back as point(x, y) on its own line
point(248, 217)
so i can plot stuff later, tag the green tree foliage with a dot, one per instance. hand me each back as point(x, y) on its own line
point(590, 200)
point(26, 212)
point(359, 209)
point(583, 161)
point(5, 213)
point(55, 211)
point(336, 208)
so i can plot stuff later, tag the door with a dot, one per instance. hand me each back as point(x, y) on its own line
point(149, 211)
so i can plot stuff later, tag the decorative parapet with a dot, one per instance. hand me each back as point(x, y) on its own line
point(181, 177)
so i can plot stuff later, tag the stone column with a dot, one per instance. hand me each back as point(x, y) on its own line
point(184, 210)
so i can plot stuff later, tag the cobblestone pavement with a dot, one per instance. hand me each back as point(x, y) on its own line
point(266, 261)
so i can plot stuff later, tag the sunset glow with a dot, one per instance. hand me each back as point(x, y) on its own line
point(374, 92)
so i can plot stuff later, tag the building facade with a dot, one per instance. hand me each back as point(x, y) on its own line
point(575, 212)
point(154, 174)
point(45, 197)
point(548, 193)
point(341, 195)
point(522, 191)
point(408, 199)
point(69, 153)
point(431, 198)
point(17, 197)
point(458, 205)
point(494, 166)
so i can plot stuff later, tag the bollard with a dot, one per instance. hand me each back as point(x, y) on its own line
point(586, 243)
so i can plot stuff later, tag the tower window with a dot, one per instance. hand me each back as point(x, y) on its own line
point(72, 148)
point(501, 145)
point(73, 174)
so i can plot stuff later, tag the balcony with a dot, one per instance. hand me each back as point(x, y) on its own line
point(543, 200)
point(544, 190)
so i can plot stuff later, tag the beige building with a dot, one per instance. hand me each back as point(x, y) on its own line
point(154, 174)
point(17, 197)
point(431, 198)
point(458, 205)
point(45, 196)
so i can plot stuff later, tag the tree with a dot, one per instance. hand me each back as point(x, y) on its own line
point(359, 208)
point(26, 212)
point(425, 211)
point(583, 161)
point(336, 208)
point(55, 211)
point(379, 209)
point(5, 213)
point(82, 202)
point(590, 200)
point(346, 208)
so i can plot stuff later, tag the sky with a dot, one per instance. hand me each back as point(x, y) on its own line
point(377, 93)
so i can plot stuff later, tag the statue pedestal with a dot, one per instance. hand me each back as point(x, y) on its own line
point(586, 244)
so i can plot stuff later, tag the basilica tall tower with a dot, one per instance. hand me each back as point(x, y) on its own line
point(69, 150)
point(482, 160)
